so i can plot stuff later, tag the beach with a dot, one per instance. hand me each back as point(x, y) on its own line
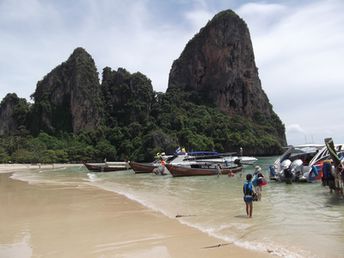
point(52, 219)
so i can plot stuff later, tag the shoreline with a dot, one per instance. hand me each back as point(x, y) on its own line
point(100, 223)
point(9, 167)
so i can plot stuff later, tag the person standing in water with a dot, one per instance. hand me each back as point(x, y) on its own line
point(257, 182)
point(248, 195)
point(328, 178)
point(162, 166)
point(219, 171)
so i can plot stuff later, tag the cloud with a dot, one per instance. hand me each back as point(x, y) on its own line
point(299, 51)
point(261, 17)
point(295, 128)
point(296, 134)
point(198, 18)
point(302, 49)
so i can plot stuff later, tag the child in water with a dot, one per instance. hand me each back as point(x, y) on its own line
point(248, 195)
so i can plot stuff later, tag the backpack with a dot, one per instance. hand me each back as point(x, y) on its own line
point(248, 188)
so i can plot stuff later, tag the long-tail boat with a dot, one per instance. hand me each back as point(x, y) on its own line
point(142, 167)
point(178, 171)
point(107, 167)
point(339, 167)
point(332, 150)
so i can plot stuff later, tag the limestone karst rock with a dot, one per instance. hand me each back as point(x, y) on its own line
point(69, 97)
point(127, 97)
point(217, 68)
point(13, 114)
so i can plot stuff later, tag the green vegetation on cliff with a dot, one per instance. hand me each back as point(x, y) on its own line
point(172, 122)
point(127, 97)
point(14, 113)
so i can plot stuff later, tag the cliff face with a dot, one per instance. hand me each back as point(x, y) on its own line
point(217, 68)
point(69, 97)
point(127, 97)
point(13, 114)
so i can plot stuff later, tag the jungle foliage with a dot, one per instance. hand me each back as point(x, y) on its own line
point(171, 122)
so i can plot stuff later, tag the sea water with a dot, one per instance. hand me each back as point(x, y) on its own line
point(297, 220)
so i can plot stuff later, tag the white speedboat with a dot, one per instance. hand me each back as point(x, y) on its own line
point(302, 163)
point(207, 157)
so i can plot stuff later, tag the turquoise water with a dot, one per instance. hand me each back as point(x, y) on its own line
point(298, 220)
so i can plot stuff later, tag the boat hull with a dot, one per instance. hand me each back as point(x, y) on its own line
point(179, 171)
point(104, 168)
point(140, 168)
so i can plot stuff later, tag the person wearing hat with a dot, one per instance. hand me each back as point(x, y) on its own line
point(257, 182)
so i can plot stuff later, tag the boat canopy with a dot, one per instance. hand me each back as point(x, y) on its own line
point(202, 153)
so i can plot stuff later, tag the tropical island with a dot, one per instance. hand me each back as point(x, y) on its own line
point(214, 101)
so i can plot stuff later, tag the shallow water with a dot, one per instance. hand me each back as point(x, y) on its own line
point(298, 220)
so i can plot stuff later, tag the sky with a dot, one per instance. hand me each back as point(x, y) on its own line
point(298, 46)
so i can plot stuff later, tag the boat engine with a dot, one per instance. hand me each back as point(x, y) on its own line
point(285, 164)
point(297, 169)
point(285, 174)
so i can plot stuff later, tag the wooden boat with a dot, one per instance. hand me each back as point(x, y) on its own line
point(224, 159)
point(333, 153)
point(142, 167)
point(178, 171)
point(339, 168)
point(105, 167)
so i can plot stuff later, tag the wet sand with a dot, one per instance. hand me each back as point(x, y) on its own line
point(5, 168)
point(47, 220)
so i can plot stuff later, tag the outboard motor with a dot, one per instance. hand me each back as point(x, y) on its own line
point(296, 168)
point(285, 164)
point(286, 173)
point(237, 162)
